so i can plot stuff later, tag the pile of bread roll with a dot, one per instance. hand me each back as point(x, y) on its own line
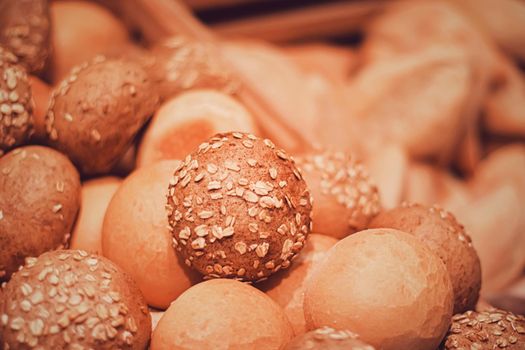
point(145, 204)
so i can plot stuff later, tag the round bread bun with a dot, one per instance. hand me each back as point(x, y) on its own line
point(24, 30)
point(447, 238)
point(287, 287)
point(490, 329)
point(16, 105)
point(183, 64)
point(41, 95)
point(75, 41)
point(327, 338)
point(345, 199)
point(222, 314)
point(96, 194)
point(39, 201)
point(71, 299)
point(136, 221)
point(97, 110)
point(385, 285)
point(238, 208)
point(184, 121)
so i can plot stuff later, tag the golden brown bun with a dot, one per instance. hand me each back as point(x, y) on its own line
point(184, 121)
point(183, 64)
point(385, 285)
point(39, 201)
point(136, 222)
point(490, 329)
point(238, 207)
point(447, 238)
point(96, 195)
point(16, 104)
point(287, 287)
point(222, 314)
point(80, 31)
point(24, 30)
point(71, 299)
point(345, 199)
point(327, 338)
point(96, 111)
point(41, 95)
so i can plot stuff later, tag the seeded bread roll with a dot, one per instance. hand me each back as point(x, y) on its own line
point(447, 238)
point(490, 329)
point(238, 208)
point(222, 314)
point(345, 199)
point(182, 64)
point(16, 105)
point(24, 30)
point(94, 113)
point(39, 201)
point(327, 338)
point(68, 299)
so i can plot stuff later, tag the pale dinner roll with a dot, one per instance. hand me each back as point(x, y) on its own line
point(345, 198)
point(135, 235)
point(287, 288)
point(222, 314)
point(385, 285)
point(187, 119)
point(79, 31)
point(447, 238)
point(327, 338)
point(96, 195)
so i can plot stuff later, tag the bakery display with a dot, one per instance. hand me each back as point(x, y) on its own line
point(238, 175)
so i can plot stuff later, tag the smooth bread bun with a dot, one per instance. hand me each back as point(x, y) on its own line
point(184, 121)
point(287, 287)
point(386, 286)
point(96, 194)
point(327, 338)
point(71, 299)
point(39, 201)
point(136, 222)
point(447, 238)
point(238, 208)
point(222, 314)
point(345, 199)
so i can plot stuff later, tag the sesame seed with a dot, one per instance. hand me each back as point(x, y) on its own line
point(1, 214)
point(68, 117)
point(214, 185)
point(95, 134)
point(273, 173)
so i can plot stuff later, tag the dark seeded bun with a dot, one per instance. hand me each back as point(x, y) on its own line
point(327, 338)
point(68, 299)
point(39, 201)
point(345, 200)
point(24, 30)
point(16, 105)
point(238, 208)
point(489, 329)
point(96, 111)
point(447, 238)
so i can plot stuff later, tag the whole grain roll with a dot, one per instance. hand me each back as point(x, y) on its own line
point(39, 201)
point(71, 299)
point(96, 111)
point(16, 104)
point(238, 208)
